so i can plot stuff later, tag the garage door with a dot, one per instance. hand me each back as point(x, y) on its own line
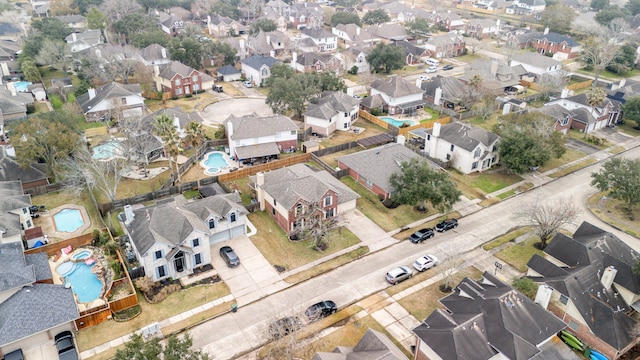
point(226, 235)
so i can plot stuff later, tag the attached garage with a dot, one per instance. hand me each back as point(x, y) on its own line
point(227, 234)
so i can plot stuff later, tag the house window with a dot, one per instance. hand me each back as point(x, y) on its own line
point(158, 255)
point(29, 223)
point(452, 147)
point(194, 78)
point(329, 213)
point(123, 101)
point(428, 137)
point(573, 325)
point(196, 87)
point(495, 148)
point(299, 210)
point(195, 242)
point(564, 121)
point(346, 114)
point(474, 165)
point(178, 91)
point(346, 125)
point(212, 223)
point(477, 153)
point(564, 299)
point(232, 217)
point(274, 202)
point(273, 211)
point(448, 156)
point(369, 184)
point(327, 200)
point(293, 132)
point(197, 259)
point(265, 72)
point(161, 271)
point(24, 210)
point(178, 82)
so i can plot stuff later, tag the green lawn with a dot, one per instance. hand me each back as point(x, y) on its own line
point(518, 255)
point(47, 75)
point(276, 247)
point(569, 156)
point(387, 219)
point(508, 237)
point(490, 182)
point(54, 199)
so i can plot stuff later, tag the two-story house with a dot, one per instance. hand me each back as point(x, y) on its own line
point(80, 41)
point(32, 176)
point(179, 79)
point(179, 118)
point(587, 118)
point(537, 64)
point(562, 47)
point(482, 28)
point(527, 7)
point(447, 21)
point(467, 148)
point(588, 281)
point(413, 54)
point(270, 43)
point(315, 62)
point(260, 137)
point(562, 117)
point(174, 238)
point(333, 111)
point(354, 35)
point(487, 319)
point(495, 74)
point(15, 216)
point(223, 26)
point(445, 45)
point(154, 54)
point(289, 194)
point(257, 68)
point(110, 100)
point(9, 57)
point(354, 56)
point(303, 15)
point(76, 22)
point(399, 96)
point(323, 40)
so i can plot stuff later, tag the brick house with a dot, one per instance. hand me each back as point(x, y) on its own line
point(562, 47)
point(446, 45)
point(179, 79)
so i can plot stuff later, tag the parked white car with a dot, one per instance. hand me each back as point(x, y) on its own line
point(425, 262)
point(431, 69)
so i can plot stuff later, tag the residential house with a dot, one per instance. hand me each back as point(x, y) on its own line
point(179, 118)
point(399, 96)
point(413, 54)
point(303, 15)
point(229, 73)
point(537, 64)
point(315, 62)
point(389, 32)
point(289, 194)
point(271, 43)
point(224, 26)
point(447, 21)
point(322, 39)
point(446, 91)
point(624, 90)
point(521, 38)
point(76, 22)
point(13, 104)
point(278, 11)
point(170, 24)
point(9, 66)
point(562, 117)
point(179, 79)
point(372, 345)
point(15, 216)
point(465, 148)
point(445, 45)
point(482, 28)
point(154, 54)
point(354, 56)
point(174, 238)
point(491, 5)
point(333, 111)
point(562, 47)
point(80, 41)
point(527, 7)
point(487, 319)
point(41, 8)
point(588, 281)
point(257, 68)
point(587, 118)
point(253, 137)
point(111, 100)
point(373, 167)
point(32, 176)
point(403, 13)
point(10, 32)
point(354, 35)
point(496, 75)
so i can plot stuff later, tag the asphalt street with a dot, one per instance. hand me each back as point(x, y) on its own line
point(233, 334)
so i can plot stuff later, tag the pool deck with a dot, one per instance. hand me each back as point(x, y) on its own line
point(49, 228)
point(231, 163)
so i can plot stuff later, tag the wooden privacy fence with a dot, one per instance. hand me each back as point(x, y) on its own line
point(374, 119)
point(97, 131)
point(52, 249)
point(580, 85)
point(252, 170)
point(426, 125)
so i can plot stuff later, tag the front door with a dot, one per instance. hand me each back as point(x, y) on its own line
point(178, 261)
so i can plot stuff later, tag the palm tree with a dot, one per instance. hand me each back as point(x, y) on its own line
point(195, 134)
point(167, 131)
point(594, 97)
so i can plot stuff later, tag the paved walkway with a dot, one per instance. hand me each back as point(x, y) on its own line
point(381, 306)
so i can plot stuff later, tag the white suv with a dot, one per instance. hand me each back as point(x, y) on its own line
point(425, 262)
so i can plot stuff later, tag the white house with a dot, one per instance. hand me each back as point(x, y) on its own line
point(324, 40)
point(536, 64)
point(173, 239)
point(399, 95)
point(333, 111)
point(102, 103)
point(253, 137)
point(468, 149)
point(258, 68)
point(15, 216)
point(84, 40)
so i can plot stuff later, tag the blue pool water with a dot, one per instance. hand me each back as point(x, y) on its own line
point(80, 255)
point(397, 123)
point(214, 161)
point(68, 220)
point(106, 150)
point(21, 86)
point(84, 283)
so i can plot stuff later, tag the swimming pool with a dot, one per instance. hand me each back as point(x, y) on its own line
point(81, 255)
point(68, 220)
point(397, 123)
point(84, 283)
point(106, 151)
point(213, 162)
point(21, 86)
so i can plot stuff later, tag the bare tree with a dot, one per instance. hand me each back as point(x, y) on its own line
point(55, 53)
point(598, 52)
point(553, 81)
point(475, 45)
point(116, 9)
point(486, 104)
point(448, 266)
point(314, 223)
point(140, 144)
point(282, 335)
point(547, 218)
point(510, 48)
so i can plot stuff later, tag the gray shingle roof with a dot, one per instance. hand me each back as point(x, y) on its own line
point(388, 31)
point(289, 184)
point(377, 164)
point(154, 52)
point(452, 88)
point(465, 136)
point(317, 33)
point(14, 272)
point(372, 346)
point(535, 59)
point(331, 103)
point(486, 317)
point(558, 38)
point(395, 86)
point(258, 61)
point(227, 70)
point(10, 170)
point(40, 263)
point(175, 112)
point(254, 126)
point(170, 70)
point(109, 91)
point(35, 309)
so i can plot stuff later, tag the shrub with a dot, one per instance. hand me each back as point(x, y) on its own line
point(375, 112)
point(353, 70)
point(56, 102)
point(188, 96)
point(526, 286)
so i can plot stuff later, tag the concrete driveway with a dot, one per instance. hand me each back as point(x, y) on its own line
point(216, 113)
point(254, 278)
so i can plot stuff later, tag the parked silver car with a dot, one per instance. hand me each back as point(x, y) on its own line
point(398, 274)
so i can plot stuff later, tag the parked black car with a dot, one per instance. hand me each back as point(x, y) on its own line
point(229, 256)
point(66, 347)
point(285, 326)
point(447, 67)
point(421, 235)
point(447, 224)
point(218, 88)
point(320, 310)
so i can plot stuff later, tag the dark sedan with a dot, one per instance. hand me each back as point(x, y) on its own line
point(229, 256)
point(320, 310)
point(447, 224)
point(447, 67)
point(421, 235)
point(65, 345)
